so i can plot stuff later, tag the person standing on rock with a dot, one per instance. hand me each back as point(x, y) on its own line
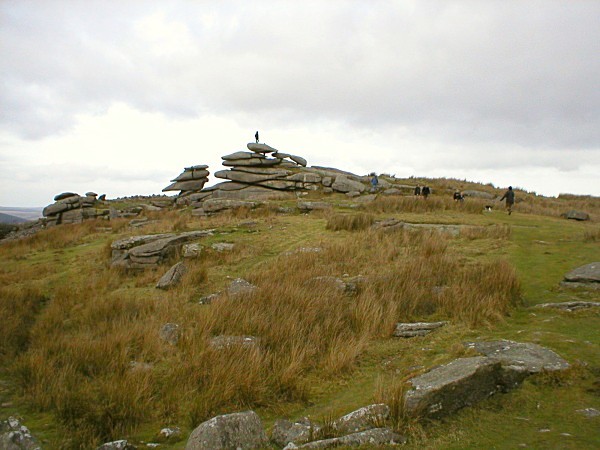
point(256, 137)
point(374, 182)
point(509, 196)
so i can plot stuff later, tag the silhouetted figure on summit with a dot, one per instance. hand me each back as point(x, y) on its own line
point(256, 136)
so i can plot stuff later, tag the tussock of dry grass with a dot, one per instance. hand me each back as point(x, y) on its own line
point(490, 232)
point(592, 235)
point(412, 204)
point(349, 222)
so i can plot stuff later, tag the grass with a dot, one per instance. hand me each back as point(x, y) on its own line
point(80, 340)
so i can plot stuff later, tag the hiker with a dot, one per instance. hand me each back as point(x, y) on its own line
point(509, 196)
point(374, 182)
point(256, 137)
point(418, 190)
point(425, 191)
point(458, 196)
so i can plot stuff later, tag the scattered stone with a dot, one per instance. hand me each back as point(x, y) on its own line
point(589, 412)
point(362, 419)
point(569, 306)
point(347, 287)
point(408, 330)
point(299, 432)
point(311, 206)
point(15, 436)
point(239, 286)
point(576, 215)
point(230, 431)
point(116, 445)
point(170, 433)
point(224, 342)
point(208, 299)
point(172, 277)
point(192, 250)
point(222, 247)
point(375, 436)
point(170, 333)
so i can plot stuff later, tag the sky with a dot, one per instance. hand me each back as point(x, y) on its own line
point(117, 97)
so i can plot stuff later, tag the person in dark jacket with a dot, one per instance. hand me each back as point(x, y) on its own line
point(425, 191)
point(418, 190)
point(458, 196)
point(509, 196)
point(374, 182)
point(256, 137)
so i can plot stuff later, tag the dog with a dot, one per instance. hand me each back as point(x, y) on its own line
point(488, 207)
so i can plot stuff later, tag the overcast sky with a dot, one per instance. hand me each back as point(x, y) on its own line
point(117, 97)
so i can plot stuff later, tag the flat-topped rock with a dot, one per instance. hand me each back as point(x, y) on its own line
point(192, 175)
point(590, 273)
point(569, 306)
point(372, 437)
point(260, 148)
point(65, 195)
point(408, 330)
point(362, 419)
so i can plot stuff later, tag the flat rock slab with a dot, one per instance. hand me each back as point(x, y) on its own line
point(362, 419)
point(373, 437)
point(311, 206)
point(569, 306)
point(260, 148)
point(452, 386)
point(408, 330)
point(220, 204)
point(242, 430)
point(590, 273)
point(172, 277)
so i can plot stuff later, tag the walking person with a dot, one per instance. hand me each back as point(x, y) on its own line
point(418, 190)
point(374, 182)
point(425, 191)
point(509, 196)
point(256, 137)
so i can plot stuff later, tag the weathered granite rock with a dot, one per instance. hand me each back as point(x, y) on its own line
point(172, 277)
point(222, 247)
point(256, 162)
point(65, 195)
point(452, 386)
point(343, 184)
point(170, 333)
point(239, 286)
point(589, 412)
point(312, 206)
point(569, 306)
point(190, 181)
point(219, 204)
point(186, 186)
point(409, 330)
point(260, 148)
point(362, 419)
point(347, 287)
point(297, 432)
point(576, 215)
point(590, 273)
point(16, 436)
point(373, 437)
point(117, 445)
point(192, 175)
point(192, 250)
point(71, 208)
point(170, 432)
point(247, 177)
point(208, 299)
point(242, 431)
point(519, 360)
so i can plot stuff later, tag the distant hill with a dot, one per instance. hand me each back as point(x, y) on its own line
point(8, 218)
point(20, 213)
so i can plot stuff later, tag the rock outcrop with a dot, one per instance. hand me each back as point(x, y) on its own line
point(188, 182)
point(587, 276)
point(140, 252)
point(230, 431)
point(16, 436)
point(69, 207)
point(466, 381)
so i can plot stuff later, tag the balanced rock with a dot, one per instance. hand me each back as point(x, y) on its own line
point(190, 181)
point(230, 431)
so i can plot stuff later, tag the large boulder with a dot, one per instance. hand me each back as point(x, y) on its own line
point(243, 431)
point(344, 184)
point(452, 386)
point(172, 277)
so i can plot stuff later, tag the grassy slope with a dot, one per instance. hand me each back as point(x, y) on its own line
point(541, 248)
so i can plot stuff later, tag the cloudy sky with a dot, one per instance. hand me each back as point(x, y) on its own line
point(118, 96)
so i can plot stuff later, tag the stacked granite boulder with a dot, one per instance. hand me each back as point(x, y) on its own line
point(265, 173)
point(188, 182)
point(73, 208)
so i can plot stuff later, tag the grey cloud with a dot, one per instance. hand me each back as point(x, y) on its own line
point(523, 73)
